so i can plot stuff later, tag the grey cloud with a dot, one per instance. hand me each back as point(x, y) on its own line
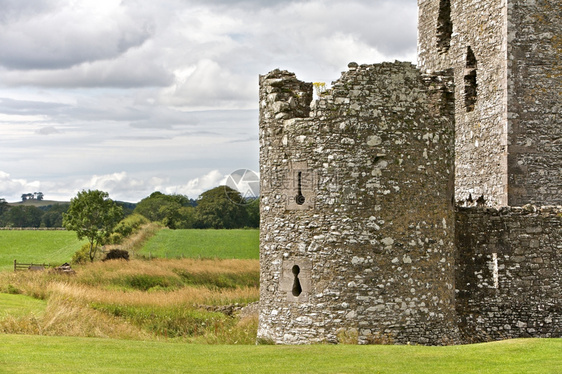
point(27, 107)
point(47, 130)
point(17, 9)
point(142, 138)
point(253, 4)
point(64, 36)
point(100, 110)
point(245, 140)
point(125, 73)
point(260, 4)
point(132, 86)
point(166, 118)
point(199, 133)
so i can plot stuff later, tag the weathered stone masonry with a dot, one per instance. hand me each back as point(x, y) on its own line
point(380, 139)
point(507, 54)
point(360, 239)
point(509, 279)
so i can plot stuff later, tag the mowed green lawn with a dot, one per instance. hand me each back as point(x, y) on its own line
point(223, 244)
point(41, 354)
point(20, 305)
point(55, 247)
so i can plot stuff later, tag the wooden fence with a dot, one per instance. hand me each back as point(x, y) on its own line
point(31, 266)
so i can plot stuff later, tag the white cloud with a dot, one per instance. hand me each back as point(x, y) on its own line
point(114, 89)
point(197, 186)
point(209, 85)
point(12, 189)
point(121, 186)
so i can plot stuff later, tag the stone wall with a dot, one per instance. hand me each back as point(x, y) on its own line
point(478, 30)
point(359, 239)
point(356, 208)
point(509, 272)
point(535, 102)
point(506, 55)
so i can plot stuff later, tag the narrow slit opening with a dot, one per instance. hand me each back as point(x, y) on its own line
point(470, 84)
point(444, 26)
point(299, 199)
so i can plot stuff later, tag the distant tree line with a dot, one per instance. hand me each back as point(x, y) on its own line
point(218, 208)
point(31, 216)
point(32, 196)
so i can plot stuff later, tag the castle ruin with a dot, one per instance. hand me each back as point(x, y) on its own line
point(419, 204)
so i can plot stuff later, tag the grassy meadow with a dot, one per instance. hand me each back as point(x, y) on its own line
point(39, 354)
point(137, 316)
point(189, 300)
point(20, 305)
point(51, 246)
point(241, 244)
point(186, 300)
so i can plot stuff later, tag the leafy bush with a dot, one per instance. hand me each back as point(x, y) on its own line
point(117, 254)
point(115, 238)
point(82, 255)
point(128, 226)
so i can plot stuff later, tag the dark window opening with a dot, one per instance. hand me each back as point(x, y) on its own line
point(297, 289)
point(299, 199)
point(444, 26)
point(470, 85)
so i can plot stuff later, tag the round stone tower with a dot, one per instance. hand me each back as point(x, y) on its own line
point(357, 219)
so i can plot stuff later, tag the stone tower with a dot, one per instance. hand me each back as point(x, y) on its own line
point(360, 238)
point(507, 61)
point(357, 222)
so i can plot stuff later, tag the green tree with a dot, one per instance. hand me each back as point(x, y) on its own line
point(253, 209)
point(150, 206)
point(22, 216)
point(168, 209)
point(93, 216)
point(221, 208)
point(3, 206)
point(53, 215)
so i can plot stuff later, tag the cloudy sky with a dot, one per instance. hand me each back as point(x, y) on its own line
point(136, 96)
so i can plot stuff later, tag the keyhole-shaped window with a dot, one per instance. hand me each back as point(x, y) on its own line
point(297, 289)
point(299, 199)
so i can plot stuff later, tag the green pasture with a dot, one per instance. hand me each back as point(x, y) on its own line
point(20, 305)
point(52, 246)
point(41, 354)
point(223, 244)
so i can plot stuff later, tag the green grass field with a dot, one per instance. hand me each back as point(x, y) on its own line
point(38, 203)
point(76, 306)
point(224, 244)
point(20, 305)
point(39, 354)
point(54, 247)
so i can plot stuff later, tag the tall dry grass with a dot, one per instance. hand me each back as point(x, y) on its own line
point(184, 297)
point(139, 299)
